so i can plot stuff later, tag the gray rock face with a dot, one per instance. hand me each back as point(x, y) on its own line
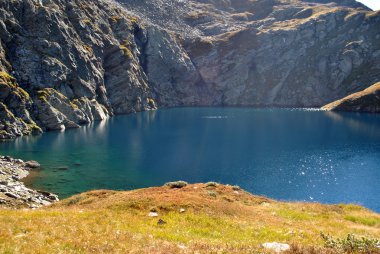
point(67, 63)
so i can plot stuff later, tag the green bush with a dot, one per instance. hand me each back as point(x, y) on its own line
point(351, 244)
point(177, 184)
point(212, 184)
point(212, 194)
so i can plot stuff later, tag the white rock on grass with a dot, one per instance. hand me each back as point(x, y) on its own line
point(276, 247)
point(153, 214)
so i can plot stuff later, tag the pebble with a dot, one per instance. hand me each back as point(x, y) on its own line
point(182, 210)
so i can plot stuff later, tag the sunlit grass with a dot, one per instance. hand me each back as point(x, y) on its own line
point(117, 222)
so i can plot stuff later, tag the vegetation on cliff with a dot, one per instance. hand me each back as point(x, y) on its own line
point(124, 55)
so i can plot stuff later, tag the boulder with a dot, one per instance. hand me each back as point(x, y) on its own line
point(276, 247)
point(32, 164)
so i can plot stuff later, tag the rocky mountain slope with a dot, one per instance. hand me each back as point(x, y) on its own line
point(367, 100)
point(67, 63)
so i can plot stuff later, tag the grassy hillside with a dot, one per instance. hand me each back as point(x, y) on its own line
point(198, 218)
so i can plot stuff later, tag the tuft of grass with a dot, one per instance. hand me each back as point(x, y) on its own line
point(7, 80)
point(115, 19)
point(89, 49)
point(43, 95)
point(212, 194)
point(177, 184)
point(151, 103)
point(126, 51)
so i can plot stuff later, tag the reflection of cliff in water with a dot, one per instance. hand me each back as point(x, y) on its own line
point(366, 123)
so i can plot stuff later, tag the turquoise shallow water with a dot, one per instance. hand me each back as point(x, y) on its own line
point(280, 153)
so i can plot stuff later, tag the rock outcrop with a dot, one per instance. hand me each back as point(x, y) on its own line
point(67, 63)
point(13, 193)
point(367, 100)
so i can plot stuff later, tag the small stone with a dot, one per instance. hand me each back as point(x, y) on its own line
point(182, 246)
point(53, 197)
point(276, 247)
point(18, 161)
point(153, 214)
point(63, 168)
point(32, 164)
point(11, 195)
point(161, 222)
point(4, 183)
point(8, 158)
point(16, 178)
point(182, 210)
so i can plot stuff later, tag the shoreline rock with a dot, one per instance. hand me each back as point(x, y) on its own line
point(13, 192)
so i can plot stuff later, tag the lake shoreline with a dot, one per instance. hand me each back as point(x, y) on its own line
point(298, 151)
point(13, 192)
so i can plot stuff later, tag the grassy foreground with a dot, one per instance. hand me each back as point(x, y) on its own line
point(217, 219)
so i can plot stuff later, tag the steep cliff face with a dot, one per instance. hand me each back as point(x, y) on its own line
point(66, 63)
point(271, 53)
point(367, 100)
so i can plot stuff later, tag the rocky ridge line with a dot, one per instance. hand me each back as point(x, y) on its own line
point(64, 64)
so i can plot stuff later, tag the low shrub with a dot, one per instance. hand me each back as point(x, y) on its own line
point(212, 184)
point(177, 184)
point(352, 244)
point(212, 194)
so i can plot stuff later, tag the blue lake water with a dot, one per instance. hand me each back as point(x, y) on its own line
point(280, 153)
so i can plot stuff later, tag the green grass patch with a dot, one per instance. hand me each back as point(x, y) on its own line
point(368, 221)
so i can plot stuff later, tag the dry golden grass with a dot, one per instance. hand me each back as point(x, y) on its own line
point(227, 221)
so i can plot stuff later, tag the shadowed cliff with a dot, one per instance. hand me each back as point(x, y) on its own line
point(64, 64)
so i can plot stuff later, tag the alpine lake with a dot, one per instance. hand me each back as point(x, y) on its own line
point(286, 154)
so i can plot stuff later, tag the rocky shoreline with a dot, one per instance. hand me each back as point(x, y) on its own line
point(13, 193)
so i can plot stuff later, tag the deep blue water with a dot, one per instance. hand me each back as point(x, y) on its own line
point(280, 153)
